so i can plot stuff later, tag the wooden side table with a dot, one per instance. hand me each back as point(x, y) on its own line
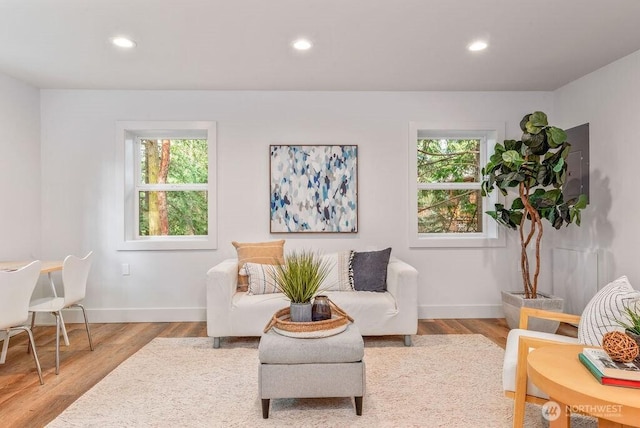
point(557, 371)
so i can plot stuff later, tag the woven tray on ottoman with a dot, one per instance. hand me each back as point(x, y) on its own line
point(281, 323)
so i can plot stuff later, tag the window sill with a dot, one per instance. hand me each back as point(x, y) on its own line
point(160, 244)
point(456, 241)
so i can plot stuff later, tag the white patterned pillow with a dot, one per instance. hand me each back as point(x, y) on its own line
point(338, 277)
point(600, 315)
point(260, 277)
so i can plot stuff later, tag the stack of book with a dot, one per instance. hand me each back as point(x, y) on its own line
point(609, 372)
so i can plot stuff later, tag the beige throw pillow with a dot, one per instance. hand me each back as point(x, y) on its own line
point(267, 253)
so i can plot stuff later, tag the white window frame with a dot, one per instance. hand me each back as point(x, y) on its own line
point(489, 134)
point(128, 133)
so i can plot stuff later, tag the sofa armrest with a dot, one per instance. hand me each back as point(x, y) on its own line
point(526, 313)
point(402, 283)
point(222, 281)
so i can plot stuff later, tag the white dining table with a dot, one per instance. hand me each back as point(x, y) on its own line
point(47, 267)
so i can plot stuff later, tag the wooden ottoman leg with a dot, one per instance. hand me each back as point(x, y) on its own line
point(358, 405)
point(265, 408)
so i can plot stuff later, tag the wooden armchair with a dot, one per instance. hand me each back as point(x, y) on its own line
point(520, 342)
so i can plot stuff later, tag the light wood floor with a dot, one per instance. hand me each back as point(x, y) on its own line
point(25, 403)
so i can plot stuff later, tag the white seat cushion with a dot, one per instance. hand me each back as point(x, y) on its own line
point(511, 358)
point(250, 313)
point(371, 311)
point(46, 304)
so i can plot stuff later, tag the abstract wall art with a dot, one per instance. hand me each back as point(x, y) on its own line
point(314, 188)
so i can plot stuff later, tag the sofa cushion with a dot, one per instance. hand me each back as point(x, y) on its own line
point(368, 270)
point(261, 278)
point(338, 277)
point(269, 253)
point(608, 305)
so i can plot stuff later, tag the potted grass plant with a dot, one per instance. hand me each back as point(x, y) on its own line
point(631, 324)
point(536, 168)
point(299, 279)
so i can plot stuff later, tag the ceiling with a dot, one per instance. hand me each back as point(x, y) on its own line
point(362, 45)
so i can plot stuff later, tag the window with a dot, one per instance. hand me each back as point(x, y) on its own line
point(447, 207)
point(166, 185)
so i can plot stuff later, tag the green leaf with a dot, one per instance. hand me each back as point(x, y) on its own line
point(544, 199)
point(558, 167)
point(550, 215)
point(541, 149)
point(555, 195)
point(561, 177)
point(576, 216)
point(512, 179)
point(516, 218)
point(545, 176)
point(538, 119)
point(555, 136)
point(533, 140)
point(582, 202)
point(517, 204)
point(565, 213)
point(511, 156)
point(523, 122)
point(532, 129)
point(512, 145)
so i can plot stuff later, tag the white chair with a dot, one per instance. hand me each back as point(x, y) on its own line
point(75, 272)
point(520, 342)
point(16, 288)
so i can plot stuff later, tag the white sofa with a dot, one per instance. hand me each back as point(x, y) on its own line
point(235, 313)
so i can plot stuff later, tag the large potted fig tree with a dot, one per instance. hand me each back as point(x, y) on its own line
point(536, 168)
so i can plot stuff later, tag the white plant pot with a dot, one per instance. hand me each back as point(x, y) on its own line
point(512, 301)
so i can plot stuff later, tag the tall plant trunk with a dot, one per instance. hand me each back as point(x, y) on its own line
point(157, 163)
point(152, 177)
point(165, 158)
point(530, 284)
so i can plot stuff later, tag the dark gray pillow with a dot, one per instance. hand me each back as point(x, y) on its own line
point(368, 270)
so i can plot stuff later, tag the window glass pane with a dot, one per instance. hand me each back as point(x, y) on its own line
point(173, 213)
point(448, 161)
point(173, 161)
point(449, 211)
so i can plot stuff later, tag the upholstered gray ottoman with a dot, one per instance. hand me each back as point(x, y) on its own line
point(311, 368)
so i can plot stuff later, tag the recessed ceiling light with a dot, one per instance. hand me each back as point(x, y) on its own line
point(123, 42)
point(478, 45)
point(302, 44)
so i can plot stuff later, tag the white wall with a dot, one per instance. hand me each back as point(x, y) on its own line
point(19, 170)
point(78, 184)
point(609, 100)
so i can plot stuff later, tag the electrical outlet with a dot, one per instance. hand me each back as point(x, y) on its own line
point(125, 269)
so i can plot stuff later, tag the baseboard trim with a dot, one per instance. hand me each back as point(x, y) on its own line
point(110, 315)
point(460, 311)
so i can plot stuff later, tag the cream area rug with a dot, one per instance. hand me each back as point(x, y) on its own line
point(441, 381)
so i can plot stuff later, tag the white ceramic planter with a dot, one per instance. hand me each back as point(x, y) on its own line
point(512, 301)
